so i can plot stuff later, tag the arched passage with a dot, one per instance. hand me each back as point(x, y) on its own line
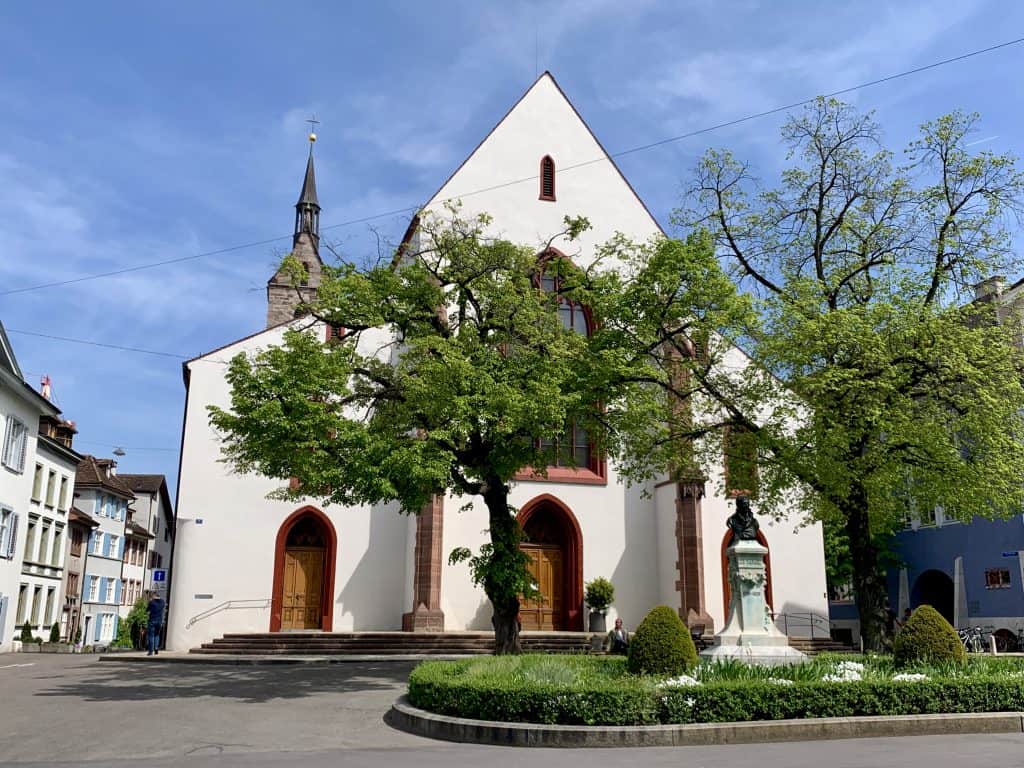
point(934, 588)
point(727, 590)
point(553, 541)
point(304, 561)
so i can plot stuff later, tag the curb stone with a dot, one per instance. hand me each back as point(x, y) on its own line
point(220, 660)
point(406, 717)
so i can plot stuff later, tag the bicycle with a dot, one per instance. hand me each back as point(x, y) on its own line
point(974, 638)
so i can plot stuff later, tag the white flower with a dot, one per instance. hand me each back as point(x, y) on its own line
point(689, 702)
point(842, 676)
point(851, 666)
point(779, 681)
point(909, 677)
point(679, 682)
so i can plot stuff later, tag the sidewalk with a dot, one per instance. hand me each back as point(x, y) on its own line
point(177, 657)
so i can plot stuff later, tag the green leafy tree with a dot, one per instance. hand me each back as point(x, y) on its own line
point(907, 394)
point(453, 372)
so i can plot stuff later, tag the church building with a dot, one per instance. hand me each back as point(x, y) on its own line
point(247, 564)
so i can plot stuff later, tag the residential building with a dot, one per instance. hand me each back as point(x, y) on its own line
point(21, 410)
point(246, 563)
point(102, 495)
point(152, 513)
point(46, 540)
point(79, 531)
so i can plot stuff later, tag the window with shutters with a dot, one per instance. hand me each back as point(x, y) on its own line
point(94, 587)
point(108, 595)
point(7, 532)
point(15, 444)
point(547, 178)
point(107, 627)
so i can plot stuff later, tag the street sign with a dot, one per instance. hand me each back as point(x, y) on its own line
point(1010, 554)
point(160, 575)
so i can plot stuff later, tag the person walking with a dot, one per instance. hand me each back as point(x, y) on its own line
point(155, 610)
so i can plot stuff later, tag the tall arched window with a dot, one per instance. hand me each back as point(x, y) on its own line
point(547, 178)
point(573, 449)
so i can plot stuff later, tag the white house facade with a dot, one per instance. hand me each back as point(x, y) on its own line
point(102, 496)
point(31, 448)
point(244, 563)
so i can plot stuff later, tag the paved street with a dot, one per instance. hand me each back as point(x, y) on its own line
point(111, 714)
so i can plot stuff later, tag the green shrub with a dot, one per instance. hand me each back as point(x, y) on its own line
point(661, 645)
point(26, 633)
point(599, 594)
point(596, 690)
point(55, 633)
point(927, 637)
point(131, 631)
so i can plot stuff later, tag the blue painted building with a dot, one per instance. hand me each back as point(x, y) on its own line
point(972, 573)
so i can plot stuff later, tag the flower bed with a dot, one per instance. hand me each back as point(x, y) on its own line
point(597, 690)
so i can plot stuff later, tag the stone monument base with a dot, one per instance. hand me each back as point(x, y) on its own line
point(750, 634)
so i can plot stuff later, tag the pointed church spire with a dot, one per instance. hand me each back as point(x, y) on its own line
point(307, 209)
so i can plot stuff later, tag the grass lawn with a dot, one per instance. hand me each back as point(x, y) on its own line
point(598, 690)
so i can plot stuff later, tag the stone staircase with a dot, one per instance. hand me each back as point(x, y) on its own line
point(387, 643)
point(814, 646)
point(426, 644)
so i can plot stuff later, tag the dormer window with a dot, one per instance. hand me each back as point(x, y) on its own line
point(547, 178)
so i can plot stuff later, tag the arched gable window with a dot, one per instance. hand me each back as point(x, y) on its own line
point(547, 178)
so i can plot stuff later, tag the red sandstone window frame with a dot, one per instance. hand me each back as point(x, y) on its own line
point(547, 178)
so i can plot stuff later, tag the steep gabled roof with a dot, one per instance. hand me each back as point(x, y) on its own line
point(7, 358)
point(92, 473)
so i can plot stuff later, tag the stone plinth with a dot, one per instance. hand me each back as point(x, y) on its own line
point(749, 633)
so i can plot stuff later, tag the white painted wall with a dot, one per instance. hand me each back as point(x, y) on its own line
point(15, 491)
point(227, 529)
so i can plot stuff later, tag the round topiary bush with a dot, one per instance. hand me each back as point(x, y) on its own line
point(927, 637)
point(661, 645)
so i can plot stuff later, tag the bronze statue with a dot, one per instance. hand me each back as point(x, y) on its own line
point(742, 523)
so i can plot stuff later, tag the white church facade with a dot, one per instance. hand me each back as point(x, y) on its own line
point(247, 564)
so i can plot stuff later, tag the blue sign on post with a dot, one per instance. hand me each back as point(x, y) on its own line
point(159, 578)
point(1009, 554)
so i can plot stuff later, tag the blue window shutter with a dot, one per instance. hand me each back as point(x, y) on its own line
point(98, 621)
point(102, 589)
point(106, 544)
point(120, 553)
point(117, 592)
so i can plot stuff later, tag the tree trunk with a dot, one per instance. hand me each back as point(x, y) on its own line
point(868, 584)
point(506, 563)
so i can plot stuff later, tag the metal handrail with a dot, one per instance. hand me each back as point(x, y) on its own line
point(227, 605)
point(806, 619)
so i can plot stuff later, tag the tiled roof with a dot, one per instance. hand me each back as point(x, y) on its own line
point(143, 483)
point(131, 528)
point(92, 473)
point(75, 515)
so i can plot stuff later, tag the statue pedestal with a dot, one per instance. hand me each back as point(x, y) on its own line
point(749, 633)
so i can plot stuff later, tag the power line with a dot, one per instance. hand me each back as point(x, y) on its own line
point(621, 153)
point(98, 344)
point(124, 447)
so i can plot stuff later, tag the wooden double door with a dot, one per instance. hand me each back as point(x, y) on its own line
point(547, 567)
point(302, 601)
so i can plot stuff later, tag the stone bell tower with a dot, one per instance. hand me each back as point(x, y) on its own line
point(283, 296)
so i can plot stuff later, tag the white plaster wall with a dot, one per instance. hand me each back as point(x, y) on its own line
point(544, 123)
point(227, 529)
point(619, 534)
point(15, 490)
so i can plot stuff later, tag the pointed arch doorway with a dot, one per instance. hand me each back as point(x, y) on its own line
point(304, 560)
point(554, 543)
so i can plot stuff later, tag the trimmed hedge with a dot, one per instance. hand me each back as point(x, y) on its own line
point(927, 637)
point(597, 691)
point(661, 645)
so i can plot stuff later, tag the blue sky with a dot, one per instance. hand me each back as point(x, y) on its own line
point(140, 132)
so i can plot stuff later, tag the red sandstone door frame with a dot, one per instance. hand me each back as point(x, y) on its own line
point(572, 591)
point(330, 556)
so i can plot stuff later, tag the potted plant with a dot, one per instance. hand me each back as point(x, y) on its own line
point(599, 595)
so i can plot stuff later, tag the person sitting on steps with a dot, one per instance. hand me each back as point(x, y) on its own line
point(618, 639)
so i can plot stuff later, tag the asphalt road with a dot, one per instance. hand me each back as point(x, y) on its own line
point(73, 710)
